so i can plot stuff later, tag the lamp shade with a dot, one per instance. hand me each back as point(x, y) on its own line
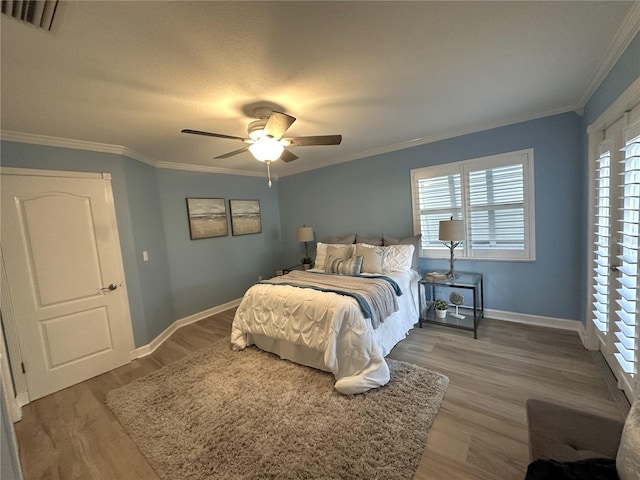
point(305, 234)
point(451, 230)
point(266, 149)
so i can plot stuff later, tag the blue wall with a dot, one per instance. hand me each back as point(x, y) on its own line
point(182, 276)
point(372, 196)
point(209, 272)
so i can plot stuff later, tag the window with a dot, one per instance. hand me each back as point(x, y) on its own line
point(493, 195)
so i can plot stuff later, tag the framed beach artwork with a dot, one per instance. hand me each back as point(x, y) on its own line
point(245, 217)
point(207, 217)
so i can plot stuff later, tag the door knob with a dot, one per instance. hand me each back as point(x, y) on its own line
point(113, 286)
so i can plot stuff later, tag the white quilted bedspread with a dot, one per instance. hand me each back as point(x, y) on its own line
point(329, 323)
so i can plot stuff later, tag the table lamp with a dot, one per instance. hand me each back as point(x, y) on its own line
point(305, 234)
point(451, 231)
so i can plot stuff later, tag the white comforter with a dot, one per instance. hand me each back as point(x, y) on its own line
point(326, 330)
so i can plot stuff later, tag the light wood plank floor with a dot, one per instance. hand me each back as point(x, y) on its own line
point(480, 432)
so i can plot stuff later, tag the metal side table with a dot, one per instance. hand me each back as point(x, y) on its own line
point(472, 312)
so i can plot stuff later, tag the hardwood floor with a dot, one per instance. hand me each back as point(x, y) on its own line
point(480, 432)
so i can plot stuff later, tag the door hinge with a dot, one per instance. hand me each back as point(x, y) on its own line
point(24, 370)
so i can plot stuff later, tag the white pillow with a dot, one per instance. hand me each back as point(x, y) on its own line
point(414, 240)
point(372, 258)
point(337, 250)
point(397, 258)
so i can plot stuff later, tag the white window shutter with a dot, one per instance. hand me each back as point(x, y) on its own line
point(626, 331)
point(602, 242)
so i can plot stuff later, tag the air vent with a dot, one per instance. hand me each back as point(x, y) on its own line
point(36, 12)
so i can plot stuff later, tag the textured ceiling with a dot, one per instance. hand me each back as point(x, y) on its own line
point(385, 75)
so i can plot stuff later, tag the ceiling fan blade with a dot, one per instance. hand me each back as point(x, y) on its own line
point(314, 140)
point(287, 156)
point(209, 134)
point(278, 123)
point(235, 152)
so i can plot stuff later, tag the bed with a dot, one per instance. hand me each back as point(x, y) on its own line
point(327, 330)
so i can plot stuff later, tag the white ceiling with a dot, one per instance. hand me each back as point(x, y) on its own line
point(385, 75)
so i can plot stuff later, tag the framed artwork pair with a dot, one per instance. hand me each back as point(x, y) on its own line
point(208, 217)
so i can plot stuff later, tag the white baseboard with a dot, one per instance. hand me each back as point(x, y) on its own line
point(166, 333)
point(540, 321)
point(22, 399)
point(524, 318)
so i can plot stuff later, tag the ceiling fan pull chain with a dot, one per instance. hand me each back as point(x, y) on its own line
point(269, 171)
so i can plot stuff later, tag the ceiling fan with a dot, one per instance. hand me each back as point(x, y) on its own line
point(266, 140)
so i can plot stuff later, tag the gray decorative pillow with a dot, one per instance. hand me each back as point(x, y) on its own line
point(375, 241)
point(339, 251)
point(344, 267)
point(346, 240)
point(628, 458)
point(414, 240)
point(371, 258)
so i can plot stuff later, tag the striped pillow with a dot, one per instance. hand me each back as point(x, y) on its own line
point(350, 266)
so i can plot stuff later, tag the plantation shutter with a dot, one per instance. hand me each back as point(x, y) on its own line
point(602, 231)
point(627, 305)
point(493, 195)
point(496, 199)
point(439, 198)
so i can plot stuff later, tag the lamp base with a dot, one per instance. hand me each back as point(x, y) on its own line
point(451, 246)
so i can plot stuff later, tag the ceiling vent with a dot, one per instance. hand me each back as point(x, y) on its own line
point(36, 12)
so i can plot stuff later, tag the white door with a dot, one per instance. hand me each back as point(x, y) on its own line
point(615, 256)
point(64, 270)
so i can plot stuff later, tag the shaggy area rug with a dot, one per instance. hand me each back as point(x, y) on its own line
point(223, 414)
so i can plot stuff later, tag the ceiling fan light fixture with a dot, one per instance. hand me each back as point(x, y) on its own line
point(256, 130)
point(266, 149)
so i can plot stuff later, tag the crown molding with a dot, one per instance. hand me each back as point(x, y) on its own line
point(206, 169)
point(290, 169)
point(625, 34)
point(294, 170)
point(33, 139)
point(30, 138)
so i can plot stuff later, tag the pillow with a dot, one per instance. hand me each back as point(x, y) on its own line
point(628, 458)
point(321, 253)
point(346, 240)
point(340, 251)
point(397, 258)
point(372, 258)
point(414, 240)
point(344, 267)
point(376, 241)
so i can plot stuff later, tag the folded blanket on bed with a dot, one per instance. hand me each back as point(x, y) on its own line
point(376, 296)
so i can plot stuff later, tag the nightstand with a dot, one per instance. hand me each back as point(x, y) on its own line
point(469, 281)
point(294, 267)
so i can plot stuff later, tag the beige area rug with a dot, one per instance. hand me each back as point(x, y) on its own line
point(222, 414)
